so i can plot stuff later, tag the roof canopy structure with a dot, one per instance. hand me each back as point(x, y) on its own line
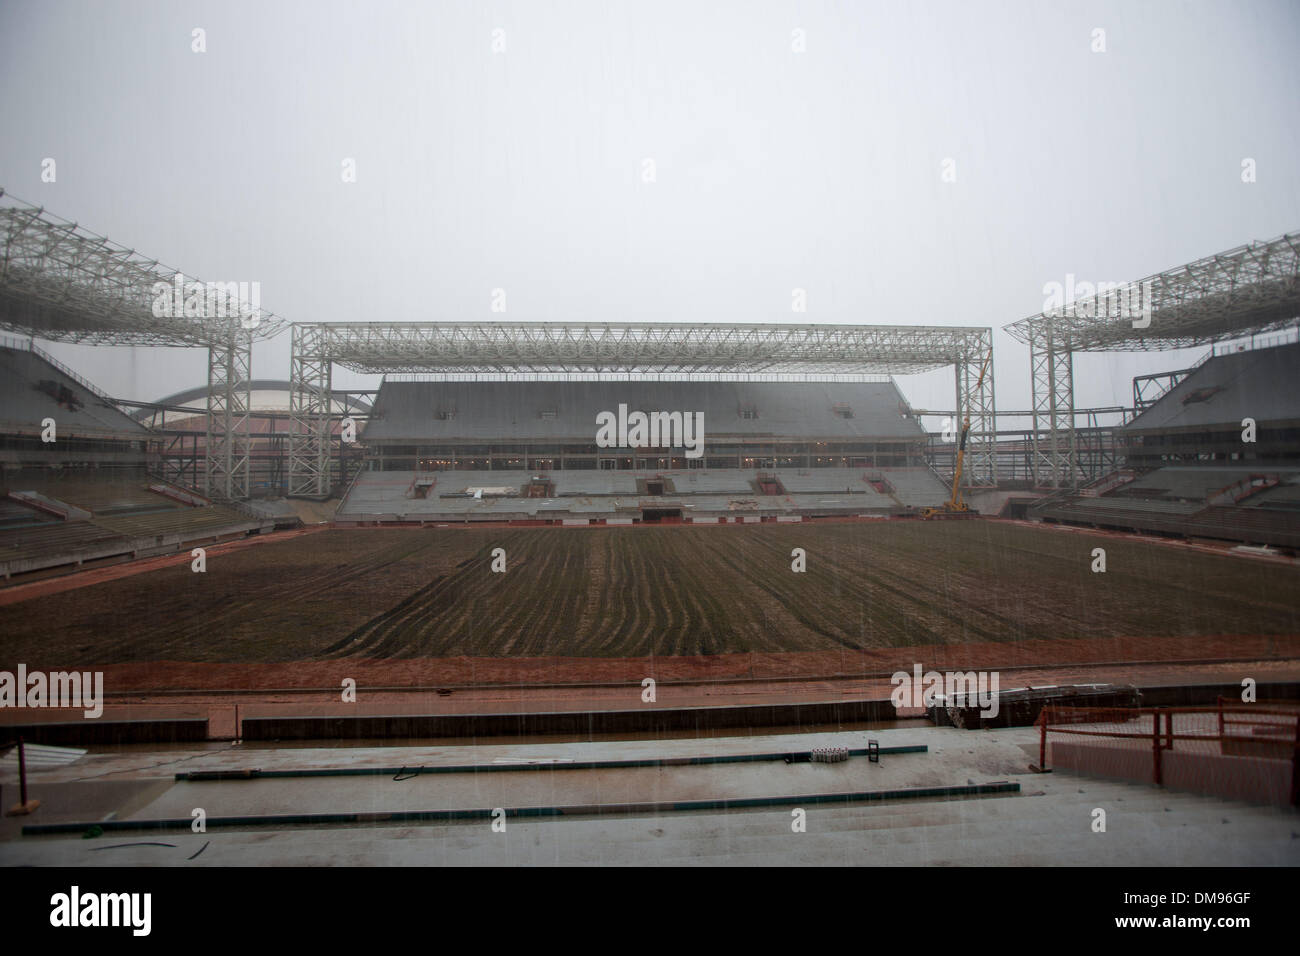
point(1245, 291)
point(639, 348)
point(61, 282)
point(64, 283)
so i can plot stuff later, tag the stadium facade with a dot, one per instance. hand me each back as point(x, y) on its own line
point(486, 426)
point(627, 452)
point(47, 411)
point(1202, 418)
point(1216, 456)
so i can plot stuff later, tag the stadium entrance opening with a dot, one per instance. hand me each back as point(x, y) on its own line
point(655, 515)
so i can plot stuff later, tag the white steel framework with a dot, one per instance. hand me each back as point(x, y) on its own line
point(638, 347)
point(543, 348)
point(1245, 291)
point(230, 377)
point(61, 282)
point(310, 369)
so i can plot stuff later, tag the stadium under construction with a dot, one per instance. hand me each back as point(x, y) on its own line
point(362, 534)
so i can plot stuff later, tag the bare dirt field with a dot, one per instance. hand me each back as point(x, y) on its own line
point(423, 607)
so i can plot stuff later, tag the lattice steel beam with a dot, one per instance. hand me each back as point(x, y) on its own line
point(61, 282)
point(178, 465)
point(1148, 389)
point(642, 347)
point(1244, 291)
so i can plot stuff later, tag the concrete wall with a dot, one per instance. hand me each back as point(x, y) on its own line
point(1250, 779)
point(647, 720)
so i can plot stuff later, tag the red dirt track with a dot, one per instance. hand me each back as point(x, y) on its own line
point(280, 621)
point(466, 672)
point(224, 711)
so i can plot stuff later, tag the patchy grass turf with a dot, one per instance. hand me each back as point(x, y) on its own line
point(622, 592)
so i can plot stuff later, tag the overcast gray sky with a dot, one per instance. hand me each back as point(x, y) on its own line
point(523, 168)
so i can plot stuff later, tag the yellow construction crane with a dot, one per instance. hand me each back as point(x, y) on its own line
point(954, 505)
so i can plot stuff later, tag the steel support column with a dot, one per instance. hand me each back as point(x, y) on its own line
point(225, 462)
point(309, 412)
point(1052, 364)
point(979, 468)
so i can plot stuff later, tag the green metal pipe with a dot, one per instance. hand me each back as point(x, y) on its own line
point(209, 776)
point(441, 816)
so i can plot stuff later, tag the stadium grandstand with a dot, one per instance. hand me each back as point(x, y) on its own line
point(1201, 417)
point(90, 430)
point(76, 482)
point(528, 451)
point(1217, 455)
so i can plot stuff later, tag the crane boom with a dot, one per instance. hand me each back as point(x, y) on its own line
point(954, 505)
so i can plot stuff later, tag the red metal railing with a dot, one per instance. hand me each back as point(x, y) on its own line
point(1264, 729)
